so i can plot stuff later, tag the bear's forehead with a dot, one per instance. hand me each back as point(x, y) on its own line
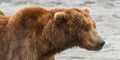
point(76, 12)
point(79, 14)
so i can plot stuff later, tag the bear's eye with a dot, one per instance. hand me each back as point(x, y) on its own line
point(86, 29)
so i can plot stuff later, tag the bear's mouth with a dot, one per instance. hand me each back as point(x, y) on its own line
point(93, 48)
point(97, 48)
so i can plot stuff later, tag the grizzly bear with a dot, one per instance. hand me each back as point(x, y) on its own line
point(35, 33)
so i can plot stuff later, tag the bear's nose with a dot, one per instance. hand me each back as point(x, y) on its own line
point(101, 43)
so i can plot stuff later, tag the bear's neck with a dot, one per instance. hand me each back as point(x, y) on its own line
point(56, 39)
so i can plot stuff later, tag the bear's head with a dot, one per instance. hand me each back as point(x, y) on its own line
point(79, 28)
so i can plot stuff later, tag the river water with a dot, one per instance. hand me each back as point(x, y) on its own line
point(106, 14)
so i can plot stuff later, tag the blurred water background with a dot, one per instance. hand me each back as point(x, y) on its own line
point(105, 12)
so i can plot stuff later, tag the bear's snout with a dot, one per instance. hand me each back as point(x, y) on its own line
point(101, 43)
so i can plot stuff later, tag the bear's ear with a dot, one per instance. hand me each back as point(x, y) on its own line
point(86, 9)
point(59, 18)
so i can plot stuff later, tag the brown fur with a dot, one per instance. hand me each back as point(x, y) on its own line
point(3, 22)
point(34, 33)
